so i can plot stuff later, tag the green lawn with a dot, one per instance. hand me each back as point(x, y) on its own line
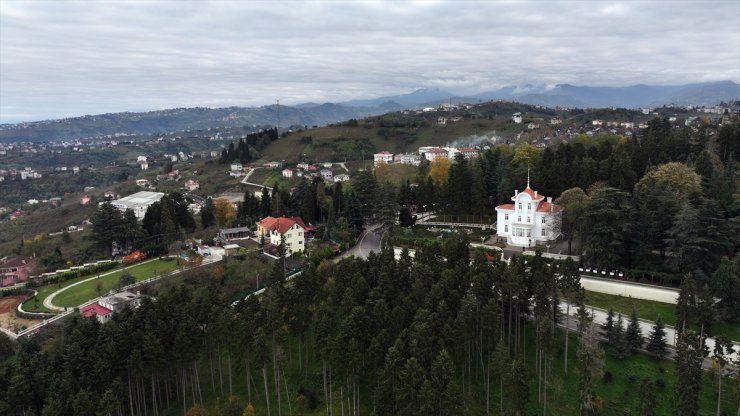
point(79, 294)
point(650, 310)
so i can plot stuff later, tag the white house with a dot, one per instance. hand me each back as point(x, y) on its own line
point(288, 173)
point(410, 159)
point(383, 157)
point(436, 153)
point(144, 166)
point(516, 118)
point(138, 202)
point(532, 219)
point(342, 177)
point(141, 159)
point(326, 174)
point(236, 166)
point(291, 230)
point(191, 185)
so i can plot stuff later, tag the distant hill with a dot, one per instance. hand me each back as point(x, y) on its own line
point(157, 122)
point(565, 95)
point(311, 114)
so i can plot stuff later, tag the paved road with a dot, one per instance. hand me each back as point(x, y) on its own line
point(369, 241)
point(645, 326)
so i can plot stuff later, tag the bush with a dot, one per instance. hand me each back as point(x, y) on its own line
point(660, 383)
point(608, 377)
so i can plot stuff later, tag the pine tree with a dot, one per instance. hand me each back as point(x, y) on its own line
point(608, 327)
point(656, 343)
point(208, 214)
point(620, 347)
point(634, 334)
point(689, 357)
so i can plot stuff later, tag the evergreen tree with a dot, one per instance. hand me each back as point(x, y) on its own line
point(590, 362)
point(620, 346)
point(689, 357)
point(656, 343)
point(634, 333)
point(208, 214)
point(608, 327)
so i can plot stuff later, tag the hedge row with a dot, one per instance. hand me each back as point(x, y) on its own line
point(73, 274)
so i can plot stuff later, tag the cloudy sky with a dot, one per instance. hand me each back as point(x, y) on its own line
point(64, 58)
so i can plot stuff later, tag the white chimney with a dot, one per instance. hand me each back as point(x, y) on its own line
point(549, 200)
point(516, 192)
point(535, 194)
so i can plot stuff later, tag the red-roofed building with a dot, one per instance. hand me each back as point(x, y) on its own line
point(16, 269)
point(101, 313)
point(532, 219)
point(293, 230)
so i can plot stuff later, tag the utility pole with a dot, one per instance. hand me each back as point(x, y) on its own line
point(277, 127)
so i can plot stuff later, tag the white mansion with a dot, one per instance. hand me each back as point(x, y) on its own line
point(530, 220)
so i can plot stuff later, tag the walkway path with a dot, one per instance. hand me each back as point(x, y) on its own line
point(48, 300)
point(646, 327)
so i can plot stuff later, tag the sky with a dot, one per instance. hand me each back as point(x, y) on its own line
point(65, 58)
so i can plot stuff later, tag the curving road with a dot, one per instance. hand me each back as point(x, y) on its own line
point(368, 242)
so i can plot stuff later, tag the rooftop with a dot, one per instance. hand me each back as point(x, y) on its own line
point(140, 198)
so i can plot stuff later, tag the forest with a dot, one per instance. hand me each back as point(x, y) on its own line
point(449, 332)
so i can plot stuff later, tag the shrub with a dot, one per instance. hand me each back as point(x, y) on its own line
point(608, 377)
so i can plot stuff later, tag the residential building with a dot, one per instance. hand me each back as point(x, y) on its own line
point(342, 177)
point(436, 153)
point(272, 164)
point(236, 167)
point(16, 269)
point(288, 173)
point(142, 183)
point(104, 308)
point(228, 234)
point(191, 185)
point(326, 174)
point(291, 230)
point(383, 157)
point(138, 202)
point(468, 153)
point(144, 166)
point(516, 118)
point(409, 159)
point(532, 219)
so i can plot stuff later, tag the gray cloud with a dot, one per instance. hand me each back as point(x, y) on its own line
point(63, 58)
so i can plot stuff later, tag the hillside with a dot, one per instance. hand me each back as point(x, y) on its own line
point(313, 114)
point(160, 122)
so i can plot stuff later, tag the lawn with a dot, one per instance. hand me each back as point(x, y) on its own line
point(81, 293)
point(650, 310)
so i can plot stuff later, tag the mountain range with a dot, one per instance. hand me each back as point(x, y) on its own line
point(310, 114)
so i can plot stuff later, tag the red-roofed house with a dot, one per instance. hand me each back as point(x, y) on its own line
point(16, 269)
point(293, 230)
point(530, 220)
point(101, 313)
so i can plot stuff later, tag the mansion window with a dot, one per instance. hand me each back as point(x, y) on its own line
point(506, 228)
point(529, 207)
point(520, 205)
point(519, 218)
point(506, 217)
point(529, 219)
point(544, 220)
point(543, 232)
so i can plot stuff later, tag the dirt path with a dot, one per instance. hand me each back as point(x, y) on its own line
point(8, 320)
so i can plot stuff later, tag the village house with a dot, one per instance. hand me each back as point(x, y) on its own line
point(104, 308)
point(236, 167)
point(191, 185)
point(326, 174)
point(532, 219)
point(516, 118)
point(436, 153)
point(288, 173)
point(16, 269)
point(408, 159)
point(272, 164)
point(142, 183)
point(303, 166)
point(291, 230)
point(383, 157)
point(467, 152)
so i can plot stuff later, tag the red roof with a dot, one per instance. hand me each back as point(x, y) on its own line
point(545, 207)
point(281, 225)
point(94, 309)
point(531, 193)
point(506, 206)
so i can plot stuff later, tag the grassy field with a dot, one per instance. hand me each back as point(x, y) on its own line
point(86, 291)
point(650, 310)
point(344, 143)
